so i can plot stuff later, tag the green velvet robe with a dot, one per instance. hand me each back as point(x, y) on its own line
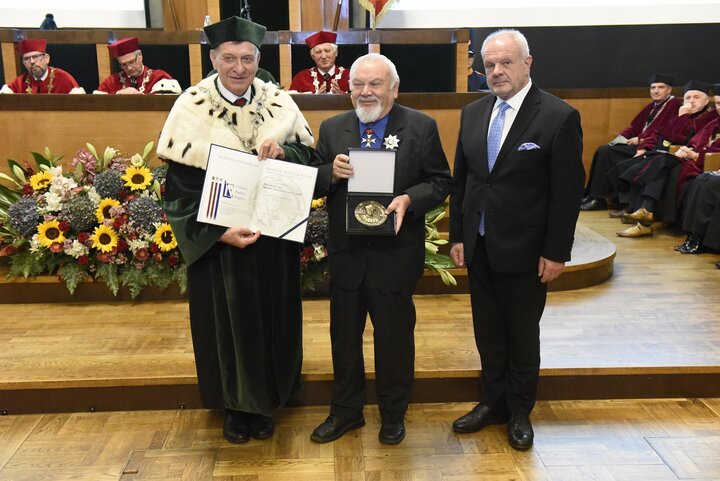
point(245, 304)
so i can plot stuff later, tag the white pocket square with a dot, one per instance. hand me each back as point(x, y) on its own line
point(528, 146)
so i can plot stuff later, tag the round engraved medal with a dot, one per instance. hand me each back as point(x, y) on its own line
point(370, 213)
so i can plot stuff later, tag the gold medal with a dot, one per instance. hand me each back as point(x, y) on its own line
point(370, 213)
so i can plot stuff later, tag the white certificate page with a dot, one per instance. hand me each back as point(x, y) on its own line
point(271, 195)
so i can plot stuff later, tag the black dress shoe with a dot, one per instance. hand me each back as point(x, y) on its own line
point(717, 265)
point(334, 427)
point(261, 427)
point(236, 428)
point(586, 198)
point(594, 204)
point(478, 418)
point(520, 432)
point(392, 433)
point(693, 245)
point(679, 247)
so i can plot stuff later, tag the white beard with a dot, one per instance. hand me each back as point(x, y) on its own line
point(368, 114)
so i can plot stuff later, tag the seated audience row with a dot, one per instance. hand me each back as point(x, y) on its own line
point(136, 78)
point(133, 78)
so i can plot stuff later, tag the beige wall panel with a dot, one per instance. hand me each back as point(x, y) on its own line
point(8, 60)
point(65, 132)
point(312, 15)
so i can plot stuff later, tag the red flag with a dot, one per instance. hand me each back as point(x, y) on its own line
point(377, 8)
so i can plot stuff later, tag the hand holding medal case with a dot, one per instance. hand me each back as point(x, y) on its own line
point(370, 191)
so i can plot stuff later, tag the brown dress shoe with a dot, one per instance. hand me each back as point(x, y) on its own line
point(638, 230)
point(642, 215)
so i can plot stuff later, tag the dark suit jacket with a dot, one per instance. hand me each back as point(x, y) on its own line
point(421, 171)
point(531, 198)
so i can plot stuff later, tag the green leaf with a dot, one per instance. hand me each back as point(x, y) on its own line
point(8, 178)
point(73, 274)
point(134, 279)
point(17, 171)
point(42, 162)
point(91, 148)
point(8, 196)
point(148, 149)
point(109, 274)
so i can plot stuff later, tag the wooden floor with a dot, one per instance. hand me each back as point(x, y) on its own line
point(659, 314)
point(580, 440)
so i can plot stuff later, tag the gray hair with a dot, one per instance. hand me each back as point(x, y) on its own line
point(376, 57)
point(518, 37)
point(333, 45)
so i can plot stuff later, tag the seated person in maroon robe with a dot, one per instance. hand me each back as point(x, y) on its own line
point(134, 77)
point(325, 76)
point(40, 77)
point(648, 184)
point(626, 145)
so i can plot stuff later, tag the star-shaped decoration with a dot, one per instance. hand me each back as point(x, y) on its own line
point(368, 141)
point(391, 142)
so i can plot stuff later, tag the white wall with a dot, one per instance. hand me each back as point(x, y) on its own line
point(539, 13)
point(73, 13)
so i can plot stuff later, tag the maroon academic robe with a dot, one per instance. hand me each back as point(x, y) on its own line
point(705, 141)
point(143, 82)
point(680, 129)
point(641, 128)
point(57, 81)
point(311, 80)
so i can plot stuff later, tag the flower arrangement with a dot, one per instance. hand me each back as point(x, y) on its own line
point(313, 257)
point(104, 221)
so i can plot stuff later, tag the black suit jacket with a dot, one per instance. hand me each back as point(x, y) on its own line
point(532, 196)
point(421, 171)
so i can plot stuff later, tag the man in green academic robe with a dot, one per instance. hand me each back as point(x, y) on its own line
point(244, 288)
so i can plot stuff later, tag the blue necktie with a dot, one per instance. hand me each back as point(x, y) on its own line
point(493, 147)
point(494, 140)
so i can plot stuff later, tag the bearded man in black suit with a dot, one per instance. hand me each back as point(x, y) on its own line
point(517, 183)
point(377, 275)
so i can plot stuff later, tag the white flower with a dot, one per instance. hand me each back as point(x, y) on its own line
point(53, 200)
point(137, 160)
point(35, 245)
point(76, 249)
point(136, 244)
point(391, 142)
point(109, 154)
point(94, 196)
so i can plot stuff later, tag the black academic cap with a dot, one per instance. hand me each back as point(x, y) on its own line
point(661, 77)
point(716, 89)
point(697, 85)
point(235, 29)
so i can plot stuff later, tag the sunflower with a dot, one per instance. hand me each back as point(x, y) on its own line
point(41, 180)
point(49, 233)
point(137, 178)
point(103, 209)
point(104, 238)
point(164, 238)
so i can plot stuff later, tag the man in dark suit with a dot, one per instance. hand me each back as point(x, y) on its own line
point(516, 189)
point(377, 274)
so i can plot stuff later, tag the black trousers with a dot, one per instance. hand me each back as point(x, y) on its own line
point(605, 159)
point(393, 318)
point(506, 308)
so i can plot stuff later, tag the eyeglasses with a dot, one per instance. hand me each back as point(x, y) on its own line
point(130, 62)
point(34, 58)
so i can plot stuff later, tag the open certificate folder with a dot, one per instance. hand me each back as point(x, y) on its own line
point(271, 195)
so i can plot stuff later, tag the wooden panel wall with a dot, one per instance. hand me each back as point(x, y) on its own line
point(96, 121)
